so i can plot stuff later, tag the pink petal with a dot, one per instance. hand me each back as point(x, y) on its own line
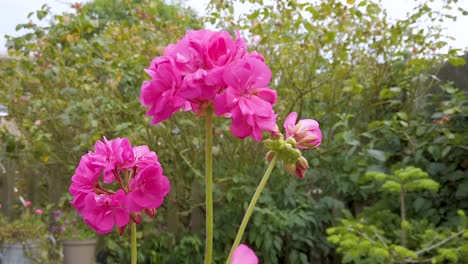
point(121, 217)
point(224, 102)
point(253, 105)
point(308, 124)
point(290, 123)
point(267, 94)
point(104, 222)
point(244, 255)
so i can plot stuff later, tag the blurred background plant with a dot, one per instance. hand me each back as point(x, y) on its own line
point(386, 92)
point(26, 230)
point(66, 224)
point(377, 235)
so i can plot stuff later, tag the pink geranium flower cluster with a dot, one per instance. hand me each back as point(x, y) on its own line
point(137, 173)
point(210, 69)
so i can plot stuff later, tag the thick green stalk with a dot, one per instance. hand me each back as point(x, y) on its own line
point(209, 186)
point(134, 244)
point(251, 207)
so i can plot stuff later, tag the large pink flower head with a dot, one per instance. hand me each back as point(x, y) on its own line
point(137, 172)
point(306, 132)
point(210, 69)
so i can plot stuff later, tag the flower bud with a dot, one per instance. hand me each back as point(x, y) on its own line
point(276, 134)
point(298, 168)
point(306, 132)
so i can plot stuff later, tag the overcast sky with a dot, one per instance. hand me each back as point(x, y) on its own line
point(13, 12)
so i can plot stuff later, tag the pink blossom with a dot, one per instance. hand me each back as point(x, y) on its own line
point(111, 155)
point(161, 94)
point(200, 87)
point(244, 255)
point(188, 52)
point(306, 132)
point(84, 181)
point(103, 212)
point(27, 203)
point(244, 124)
point(221, 49)
point(201, 57)
point(205, 49)
point(143, 157)
point(38, 211)
point(190, 74)
point(148, 189)
point(247, 99)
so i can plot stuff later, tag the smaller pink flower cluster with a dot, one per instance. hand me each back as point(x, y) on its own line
point(28, 203)
point(136, 170)
point(210, 69)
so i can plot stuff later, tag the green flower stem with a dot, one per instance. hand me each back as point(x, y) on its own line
point(134, 244)
point(209, 185)
point(251, 207)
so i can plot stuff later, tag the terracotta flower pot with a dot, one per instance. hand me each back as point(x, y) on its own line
point(79, 251)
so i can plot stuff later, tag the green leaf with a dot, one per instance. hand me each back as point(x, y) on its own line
point(422, 184)
point(348, 137)
point(419, 203)
point(462, 189)
point(391, 186)
point(374, 175)
point(377, 154)
point(404, 252)
point(254, 15)
point(457, 61)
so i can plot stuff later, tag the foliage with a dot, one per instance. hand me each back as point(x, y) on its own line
point(27, 229)
point(28, 226)
point(66, 224)
point(371, 237)
point(404, 180)
point(370, 81)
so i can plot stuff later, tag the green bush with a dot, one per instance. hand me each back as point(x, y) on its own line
point(375, 237)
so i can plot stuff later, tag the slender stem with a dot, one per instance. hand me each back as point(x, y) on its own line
point(209, 186)
point(98, 189)
point(251, 207)
point(134, 244)
point(119, 180)
point(403, 216)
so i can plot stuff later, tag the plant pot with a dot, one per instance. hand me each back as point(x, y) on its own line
point(79, 251)
point(18, 252)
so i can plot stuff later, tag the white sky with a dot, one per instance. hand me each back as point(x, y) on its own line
point(13, 12)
